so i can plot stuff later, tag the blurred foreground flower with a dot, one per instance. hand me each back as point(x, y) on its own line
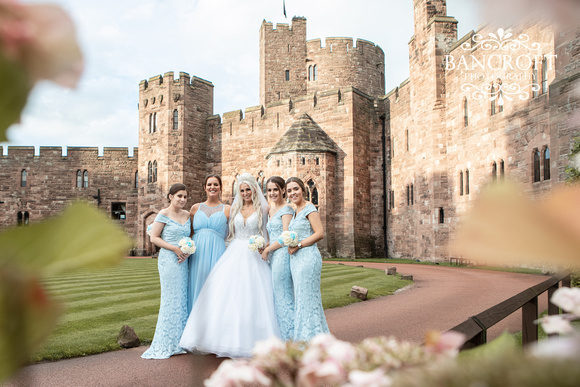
point(82, 237)
point(327, 361)
point(37, 41)
point(505, 227)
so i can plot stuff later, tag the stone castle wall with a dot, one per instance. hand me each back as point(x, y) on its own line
point(51, 182)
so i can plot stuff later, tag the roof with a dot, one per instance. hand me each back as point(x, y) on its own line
point(304, 135)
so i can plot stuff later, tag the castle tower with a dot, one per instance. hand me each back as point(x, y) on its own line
point(282, 60)
point(173, 142)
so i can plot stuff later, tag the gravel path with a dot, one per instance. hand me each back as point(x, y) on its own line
point(440, 298)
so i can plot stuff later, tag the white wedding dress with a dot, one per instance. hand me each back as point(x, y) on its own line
point(235, 308)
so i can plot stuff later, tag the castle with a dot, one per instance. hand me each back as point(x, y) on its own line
point(391, 173)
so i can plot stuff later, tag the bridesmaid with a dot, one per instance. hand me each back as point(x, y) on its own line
point(171, 225)
point(280, 215)
point(210, 225)
point(306, 264)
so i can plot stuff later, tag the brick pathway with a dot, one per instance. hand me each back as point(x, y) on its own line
point(441, 298)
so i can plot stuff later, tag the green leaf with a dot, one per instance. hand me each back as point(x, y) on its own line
point(81, 237)
point(15, 86)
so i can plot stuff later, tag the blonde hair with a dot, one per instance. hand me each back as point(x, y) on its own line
point(245, 178)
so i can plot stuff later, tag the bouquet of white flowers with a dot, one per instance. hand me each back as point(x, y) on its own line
point(288, 238)
point(256, 242)
point(187, 245)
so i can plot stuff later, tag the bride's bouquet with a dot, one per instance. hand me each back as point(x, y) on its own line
point(288, 238)
point(187, 245)
point(256, 242)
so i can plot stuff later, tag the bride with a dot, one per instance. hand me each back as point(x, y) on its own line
point(235, 307)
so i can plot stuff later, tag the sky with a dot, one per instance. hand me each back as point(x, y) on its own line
point(126, 41)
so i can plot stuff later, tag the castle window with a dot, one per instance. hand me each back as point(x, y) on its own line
point(23, 178)
point(408, 195)
point(312, 194)
point(392, 199)
point(467, 181)
point(501, 170)
point(545, 76)
point(154, 171)
point(150, 172)
point(175, 119)
point(252, 124)
point(412, 196)
point(154, 122)
point(85, 179)
point(310, 74)
point(535, 85)
point(231, 129)
point(118, 211)
point(315, 73)
point(277, 120)
point(278, 162)
point(303, 161)
point(536, 165)
point(461, 183)
point(492, 93)
point(441, 215)
point(465, 113)
point(287, 75)
point(79, 179)
point(137, 179)
point(407, 138)
point(546, 163)
point(22, 218)
point(150, 122)
point(500, 101)
point(317, 161)
point(494, 171)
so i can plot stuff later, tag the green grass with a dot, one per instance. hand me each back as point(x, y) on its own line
point(99, 303)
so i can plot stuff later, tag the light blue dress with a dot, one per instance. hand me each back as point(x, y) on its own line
point(173, 304)
point(306, 267)
point(210, 227)
point(281, 276)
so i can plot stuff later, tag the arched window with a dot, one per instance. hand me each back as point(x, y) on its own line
point(85, 179)
point(287, 75)
point(175, 119)
point(23, 176)
point(535, 84)
point(312, 194)
point(546, 163)
point(501, 170)
point(461, 183)
point(545, 75)
point(79, 179)
point(494, 97)
point(412, 196)
point(150, 172)
point(441, 215)
point(154, 171)
point(536, 165)
point(465, 113)
point(467, 181)
point(19, 219)
point(315, 73)
point(310, 75)
point(137, 179)
point(494, 171)
point(26, 218)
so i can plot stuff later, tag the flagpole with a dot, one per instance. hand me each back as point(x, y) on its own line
point(284, 6)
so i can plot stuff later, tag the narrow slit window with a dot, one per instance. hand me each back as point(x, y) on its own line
point(287, 75)
point(86, 179)
point(467, 181)
point(79, 178)
point(441, 215)
point(23, 176)
point(547, 163)
point(501, 170)
point(461, 183)
point(494, 171)
point(175, 119)
point(536, 165)
point(545, 76)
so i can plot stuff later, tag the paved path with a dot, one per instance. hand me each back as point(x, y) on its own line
point(440, 298)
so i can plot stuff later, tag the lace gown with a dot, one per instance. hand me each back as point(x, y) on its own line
point(306, 266)
point(173, 304)
point(209, 231)
point(281, 277)
point(235, 307)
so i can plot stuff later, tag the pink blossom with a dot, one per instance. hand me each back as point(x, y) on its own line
point(447, 343)
point(341, 352)
point(376, 378)
point(237, 373)
point(568, 299)
point(41, 38)
point(556, 324)
point(265, 347)
point(328, 372)
point(555, 347)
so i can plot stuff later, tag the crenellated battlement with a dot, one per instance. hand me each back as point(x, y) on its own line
point(64, 153)
point(345, 46)
point(163, 81)
point(298, 22)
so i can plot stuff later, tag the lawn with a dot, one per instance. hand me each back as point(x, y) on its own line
point(99, 303)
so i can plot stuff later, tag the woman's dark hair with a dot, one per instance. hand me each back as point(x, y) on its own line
point(219, 179)
point(300, 183)
point(175, 188)
point(279, 183)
